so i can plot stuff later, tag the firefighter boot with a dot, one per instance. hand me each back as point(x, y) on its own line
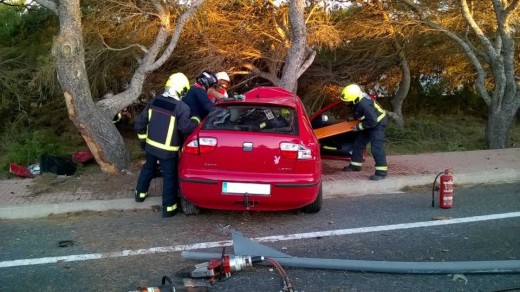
point(169, 211)
point(139, 197)
point(376, 177)
point(350, 168)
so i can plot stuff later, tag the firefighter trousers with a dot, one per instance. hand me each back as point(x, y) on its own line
point(170, 176)
point(376, 137)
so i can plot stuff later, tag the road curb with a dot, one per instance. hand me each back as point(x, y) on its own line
point(44, 210)
point(331, 189)
point(391, 184)
point(502, 175)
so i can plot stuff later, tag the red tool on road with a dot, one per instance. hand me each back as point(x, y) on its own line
point(219, 268)
point(224, 266)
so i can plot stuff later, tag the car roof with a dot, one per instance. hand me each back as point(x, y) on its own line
point(269, 95)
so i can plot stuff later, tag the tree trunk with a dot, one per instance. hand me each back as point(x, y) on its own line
point(404, 87)
point(99, 133)
point(499, 123)
point(497, 57)
point(299, 57)
point(296, 54)
point(95, 123)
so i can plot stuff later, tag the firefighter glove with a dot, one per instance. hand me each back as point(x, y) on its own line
point(354, 129)
point(239, 96)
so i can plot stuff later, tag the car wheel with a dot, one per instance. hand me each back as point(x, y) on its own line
point(315, 206)
point(188, 208)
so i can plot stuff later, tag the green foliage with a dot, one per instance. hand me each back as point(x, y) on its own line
point(430, 133)
point(29, 91)
point(27, 147)
point(436, 99)
point(10, 19)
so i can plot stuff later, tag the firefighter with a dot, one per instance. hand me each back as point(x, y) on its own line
point(371, 128)
point(197, 97)
point(160, 128)
point(220, 90)
point(119, 116)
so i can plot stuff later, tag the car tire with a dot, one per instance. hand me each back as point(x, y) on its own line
point(315, 206)
point(188, 208)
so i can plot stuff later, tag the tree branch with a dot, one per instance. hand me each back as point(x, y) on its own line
point(268, 76)
point(511, 7)
point(143, 48)
point(479, 53)
point(311, 54)
point(478, 31)
point(176, 35)
point(49, 4)
point(481, 73)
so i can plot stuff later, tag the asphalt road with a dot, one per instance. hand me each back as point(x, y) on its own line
point(118, 251)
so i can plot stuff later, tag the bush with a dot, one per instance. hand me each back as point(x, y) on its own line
point(431, 133)
point(26, 147)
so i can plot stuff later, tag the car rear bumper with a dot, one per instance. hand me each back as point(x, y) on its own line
point(285, 193)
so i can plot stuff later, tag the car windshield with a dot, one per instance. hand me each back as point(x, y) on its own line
point(253, 118)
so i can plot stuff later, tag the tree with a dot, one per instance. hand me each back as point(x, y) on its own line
point(488, 40)
point(255, 39)
point(94, 121)
point(386, 30)
point(300, 56)
point(371, 52)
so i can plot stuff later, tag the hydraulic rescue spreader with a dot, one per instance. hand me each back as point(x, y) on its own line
point(224, 266)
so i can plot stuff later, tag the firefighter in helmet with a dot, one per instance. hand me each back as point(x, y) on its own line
point(220, 90)
point(371, 128)
point(160, 128)
point(197, 97)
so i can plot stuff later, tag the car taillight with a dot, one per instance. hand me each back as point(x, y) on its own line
point(295, 151)
point(207, 144)
point(192, 147)
point(200, 146)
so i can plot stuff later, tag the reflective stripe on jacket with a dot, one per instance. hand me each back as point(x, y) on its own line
point(117, 118)
point(370, 113)
point(162, 124)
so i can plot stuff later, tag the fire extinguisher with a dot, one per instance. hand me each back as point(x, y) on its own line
point(445, 189)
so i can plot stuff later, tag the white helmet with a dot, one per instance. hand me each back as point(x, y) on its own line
point(223, 76)
point(223, 79)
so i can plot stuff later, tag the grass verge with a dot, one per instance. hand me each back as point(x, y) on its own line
point(431, 133)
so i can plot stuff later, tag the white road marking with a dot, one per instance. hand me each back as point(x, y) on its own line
point(153, 250)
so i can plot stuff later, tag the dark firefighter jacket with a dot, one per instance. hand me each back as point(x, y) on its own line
point(163, 123)
point(369, 113)
point(198, 101)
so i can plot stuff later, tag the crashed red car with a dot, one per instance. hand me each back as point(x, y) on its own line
point(255, 153)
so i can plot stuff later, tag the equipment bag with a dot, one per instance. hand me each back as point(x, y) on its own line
point(60, 165)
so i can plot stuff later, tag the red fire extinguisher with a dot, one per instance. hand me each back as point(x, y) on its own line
point(445, 189)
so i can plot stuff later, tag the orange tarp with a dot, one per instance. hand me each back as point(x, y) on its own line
point(334, 129)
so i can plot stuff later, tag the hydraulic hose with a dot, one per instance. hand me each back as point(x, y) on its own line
point(462, 267)
point(433, 188)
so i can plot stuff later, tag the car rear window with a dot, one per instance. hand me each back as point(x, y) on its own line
point(253, 118)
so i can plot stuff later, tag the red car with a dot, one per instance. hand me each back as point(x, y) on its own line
point(254, 153)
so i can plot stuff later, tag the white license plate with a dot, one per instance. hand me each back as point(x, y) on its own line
point(249, 188)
